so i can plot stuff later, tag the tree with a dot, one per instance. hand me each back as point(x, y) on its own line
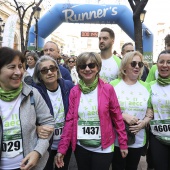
point(22, 10)
point(137, 8)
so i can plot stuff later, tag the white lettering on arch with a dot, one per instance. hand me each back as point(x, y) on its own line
point(70, 16)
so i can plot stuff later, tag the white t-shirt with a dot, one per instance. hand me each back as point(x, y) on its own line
point(133, 100)
point(88, 111)
point(59, 116)
point(30, 71)
point(74, 75)
point(160, 99)
point(109, 70)
point(12, 152)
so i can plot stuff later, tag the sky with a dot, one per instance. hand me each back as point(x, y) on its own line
point(157, 11)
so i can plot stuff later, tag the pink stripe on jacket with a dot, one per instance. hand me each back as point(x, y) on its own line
point(109, 115)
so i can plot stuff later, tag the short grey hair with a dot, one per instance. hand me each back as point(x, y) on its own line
point(33, 54)
point(37, 75)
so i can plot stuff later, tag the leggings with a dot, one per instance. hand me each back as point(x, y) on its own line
point(160, 154)
point(130, 162)
point(88, 160)
point(50, 162)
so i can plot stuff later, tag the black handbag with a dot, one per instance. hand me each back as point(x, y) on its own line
point(131, 136)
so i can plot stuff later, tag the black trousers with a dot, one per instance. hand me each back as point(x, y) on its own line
point(50, 163)
point(160, 154)
point(87, 160)
point(130, 162)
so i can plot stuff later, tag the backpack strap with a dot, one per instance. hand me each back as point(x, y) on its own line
point(28, 80)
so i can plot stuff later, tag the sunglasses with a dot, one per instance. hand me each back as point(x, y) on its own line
point(134, 63)
point(45, 71)
point(71, 61)
point(90, 65)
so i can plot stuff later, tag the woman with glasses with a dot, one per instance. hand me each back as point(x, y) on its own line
point(160, 125)
point(71, 62)
point(21, 109)
point(55, 91)
point(93, 109)
point(134, 99)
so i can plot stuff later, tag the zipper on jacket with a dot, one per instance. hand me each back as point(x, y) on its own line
point(24, 98)
point(1, 124)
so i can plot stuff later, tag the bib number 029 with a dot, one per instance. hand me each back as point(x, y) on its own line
point(11, 146)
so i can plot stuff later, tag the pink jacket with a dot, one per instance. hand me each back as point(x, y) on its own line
point(109, 115)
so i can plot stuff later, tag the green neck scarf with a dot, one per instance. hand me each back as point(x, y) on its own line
point(163, 81)
point(87, 89)
point(10, 95)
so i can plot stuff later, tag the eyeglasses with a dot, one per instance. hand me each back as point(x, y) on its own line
point(134, 63)
point(90, 65)
point(71, 61)
point(45, 71)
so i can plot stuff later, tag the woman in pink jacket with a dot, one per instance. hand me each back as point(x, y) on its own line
point(94, 115)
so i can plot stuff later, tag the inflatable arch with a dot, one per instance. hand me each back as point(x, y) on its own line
point(90, 13)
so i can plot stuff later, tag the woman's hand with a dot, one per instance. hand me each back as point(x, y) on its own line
point(136, 128)
point(44, 131)
point(129, 119)
point(124, 152)
point(59, 160)
point(30, 160)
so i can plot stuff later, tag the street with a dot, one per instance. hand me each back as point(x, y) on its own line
point(142, 164)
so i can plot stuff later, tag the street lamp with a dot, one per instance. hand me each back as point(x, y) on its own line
point(142, 16)
point(1, 30)
point(36, 16)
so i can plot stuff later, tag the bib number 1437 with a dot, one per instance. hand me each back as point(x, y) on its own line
point(89, 130)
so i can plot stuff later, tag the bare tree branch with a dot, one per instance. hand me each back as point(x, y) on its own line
point(21, 10)
point(137, 7)
point(132, 4)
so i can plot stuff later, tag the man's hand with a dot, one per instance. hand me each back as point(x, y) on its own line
point(30, 160)
point(44, 131)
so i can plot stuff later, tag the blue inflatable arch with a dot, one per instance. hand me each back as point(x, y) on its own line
point(90, 13)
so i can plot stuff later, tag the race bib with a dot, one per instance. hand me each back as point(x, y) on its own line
point(58, 130)
point(11, 146)
point(88, 130)
point(160, 127)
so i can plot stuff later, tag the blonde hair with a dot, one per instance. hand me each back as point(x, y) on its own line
point(127, 59)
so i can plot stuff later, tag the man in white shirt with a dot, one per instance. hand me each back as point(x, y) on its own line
point(110, 62)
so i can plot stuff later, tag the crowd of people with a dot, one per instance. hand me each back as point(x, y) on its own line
point(107, 109)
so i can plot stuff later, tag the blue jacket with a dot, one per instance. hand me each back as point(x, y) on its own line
point(65, 86)
point(65, 73)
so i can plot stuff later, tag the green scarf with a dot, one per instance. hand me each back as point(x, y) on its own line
point(10, 95)
point(163, 81)
point(87, 89)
